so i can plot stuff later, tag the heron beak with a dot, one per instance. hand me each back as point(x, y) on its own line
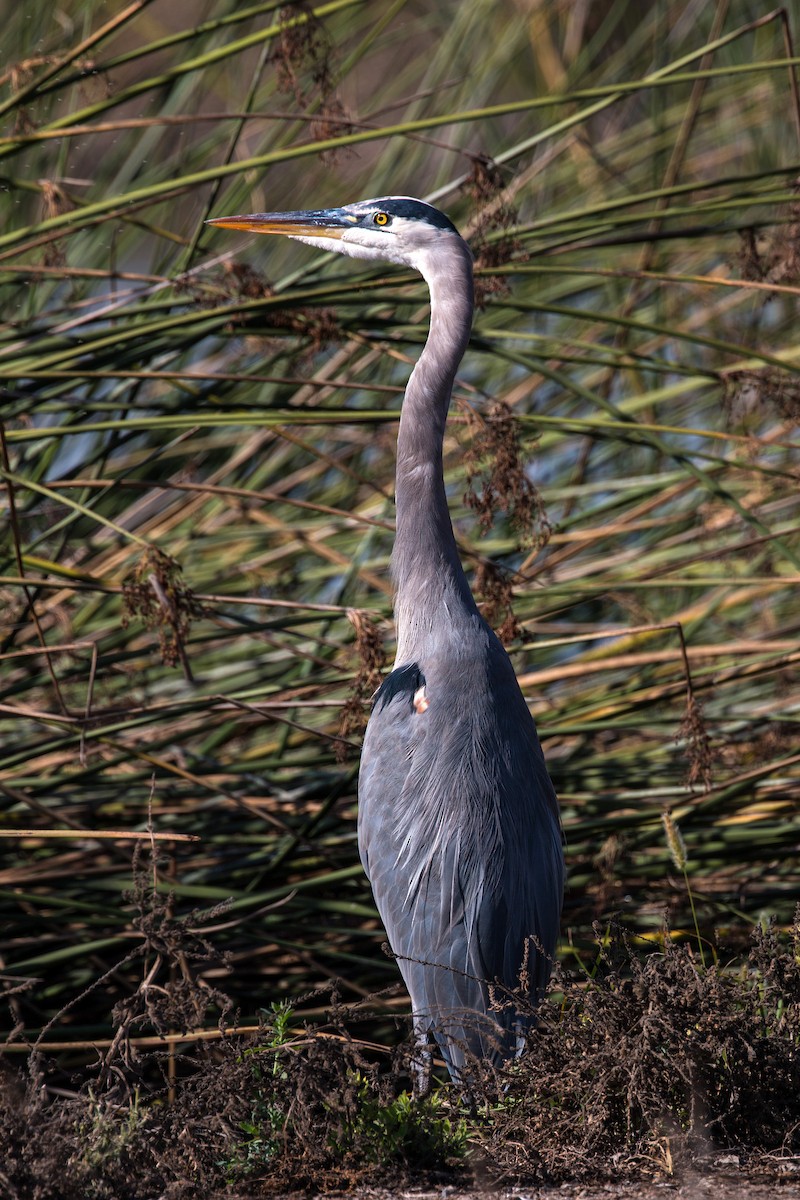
point(326, 222)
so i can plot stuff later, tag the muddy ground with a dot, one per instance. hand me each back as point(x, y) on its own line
point(719, 1184)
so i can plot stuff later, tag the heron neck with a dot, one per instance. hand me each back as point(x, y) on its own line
point(432, 594)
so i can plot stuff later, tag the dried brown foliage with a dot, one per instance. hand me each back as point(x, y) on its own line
point(655, 1059)
point(494, 463)
point(17, 75)
point(756, 389)
point(97, 1141)
point(109, 1147)
point(54, 203)
point(486, 187)
point(316, 326)
point(156, 594)
point(171, 996)
point(495, 589)
point(371, 662)
point(774, 256)
point(229, 280)
point(303, 1111)
point(245, 282)
point(699, 751)
point(303, 50)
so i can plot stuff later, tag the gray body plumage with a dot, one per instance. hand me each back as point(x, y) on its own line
point(458, 823)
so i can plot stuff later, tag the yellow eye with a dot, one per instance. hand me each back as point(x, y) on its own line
point(381, 218)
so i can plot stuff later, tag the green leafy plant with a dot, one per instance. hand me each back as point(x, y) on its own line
point(106, 1131)
point(264, 1131)
point(404, 1130)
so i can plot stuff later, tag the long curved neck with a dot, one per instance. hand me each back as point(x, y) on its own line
point(432, 592)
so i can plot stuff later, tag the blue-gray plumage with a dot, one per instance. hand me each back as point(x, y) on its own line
point(458, 824)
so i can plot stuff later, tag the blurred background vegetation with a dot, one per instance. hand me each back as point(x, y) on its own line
point(198, 450)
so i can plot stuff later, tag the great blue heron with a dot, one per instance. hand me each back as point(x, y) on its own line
point(458, 823)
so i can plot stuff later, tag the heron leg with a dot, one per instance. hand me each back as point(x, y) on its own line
point(422, 1060)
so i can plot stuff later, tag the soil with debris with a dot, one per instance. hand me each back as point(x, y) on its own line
point(714, 1186)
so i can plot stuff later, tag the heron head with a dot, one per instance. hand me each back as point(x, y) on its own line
point(396, 229)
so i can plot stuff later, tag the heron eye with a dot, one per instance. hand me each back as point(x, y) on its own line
point(381, 218)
